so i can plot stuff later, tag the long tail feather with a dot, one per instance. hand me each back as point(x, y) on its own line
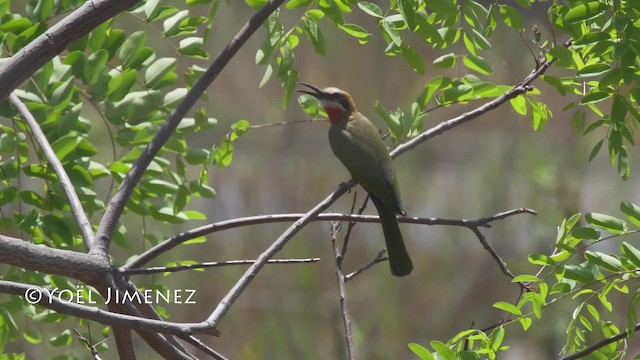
point(399, 259)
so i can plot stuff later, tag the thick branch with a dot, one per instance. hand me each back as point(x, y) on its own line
point(33, 292)
point(119, 200)
point(67, 186)
point(86, 268)
point(53, 41)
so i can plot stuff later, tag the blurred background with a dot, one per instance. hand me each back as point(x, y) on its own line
point(492, 164)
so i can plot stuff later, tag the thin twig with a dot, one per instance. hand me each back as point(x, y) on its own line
point(352, 224)
point(202, 346)
point(380, 257)
point(89, 345)
point(166, 269)
point(342, 291)
point(119, 200)
point(67, 186)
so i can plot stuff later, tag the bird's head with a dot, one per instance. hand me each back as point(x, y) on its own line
point(337, 103)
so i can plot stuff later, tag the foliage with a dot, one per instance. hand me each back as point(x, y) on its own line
point(112, 78)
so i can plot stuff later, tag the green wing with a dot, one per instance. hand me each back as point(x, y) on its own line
point(359, 146)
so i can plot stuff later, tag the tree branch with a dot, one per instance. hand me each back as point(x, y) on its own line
point(602, 343)
point(84, 267)
point(52, 42)
point(164, 269)
point(514, 92)
point(243, 282)
point(38, 295)
point(66, 184)
point(176, 240)
point(116, 205)
point(342, 291)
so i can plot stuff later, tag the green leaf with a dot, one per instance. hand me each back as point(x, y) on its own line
point(65, 338)
point(525, 322)
point(584, 232)
point(132, 52)
point(445, 61)
point(582, 11)
point(477, 63)
point(414, 59)
point(370, 8)
point(421, 351)
point(314, 34)
point(356, 31)
point(256, 4)
point(525, 278)
point(607, 222)
point(594, 70)
point(539, 114)
point(294, 4)
point(595, 150)
point(519, 104)
point(606, 261)
point(631, 253)
point(594, 97)
point(407, 10)
point(8, 195)
point(512, 17)
point(508, 307)
point(632, 211)
point(443, 7)
point(120, 85)
point(193, 46)
point(161, 73)
point(580, 273)
point(540, 259)
point(443, 350)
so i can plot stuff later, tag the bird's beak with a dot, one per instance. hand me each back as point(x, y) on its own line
point(318, 91)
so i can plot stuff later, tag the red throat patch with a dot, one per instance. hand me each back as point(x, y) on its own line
point(334, 113)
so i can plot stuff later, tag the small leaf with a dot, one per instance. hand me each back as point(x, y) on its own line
point(631, 253)
point(607, 222)
point(356, 31)
point(510, 308)
point(477, 63)
point(370, 8)
point(512, 17)
point(606, 261)
point(414, 59)
point(594, 70)
point(421, 351)
point(632, 211)
point(193, 46)
point(519, 104)
point(584, 11)
point(445, 61)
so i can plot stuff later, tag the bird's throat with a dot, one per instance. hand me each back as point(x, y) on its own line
point(335, 114)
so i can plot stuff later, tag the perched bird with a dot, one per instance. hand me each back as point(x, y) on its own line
point(357, 143)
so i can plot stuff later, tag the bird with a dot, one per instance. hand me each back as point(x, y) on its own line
point(358, 144)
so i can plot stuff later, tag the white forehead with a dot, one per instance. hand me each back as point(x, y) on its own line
point(331, 90)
